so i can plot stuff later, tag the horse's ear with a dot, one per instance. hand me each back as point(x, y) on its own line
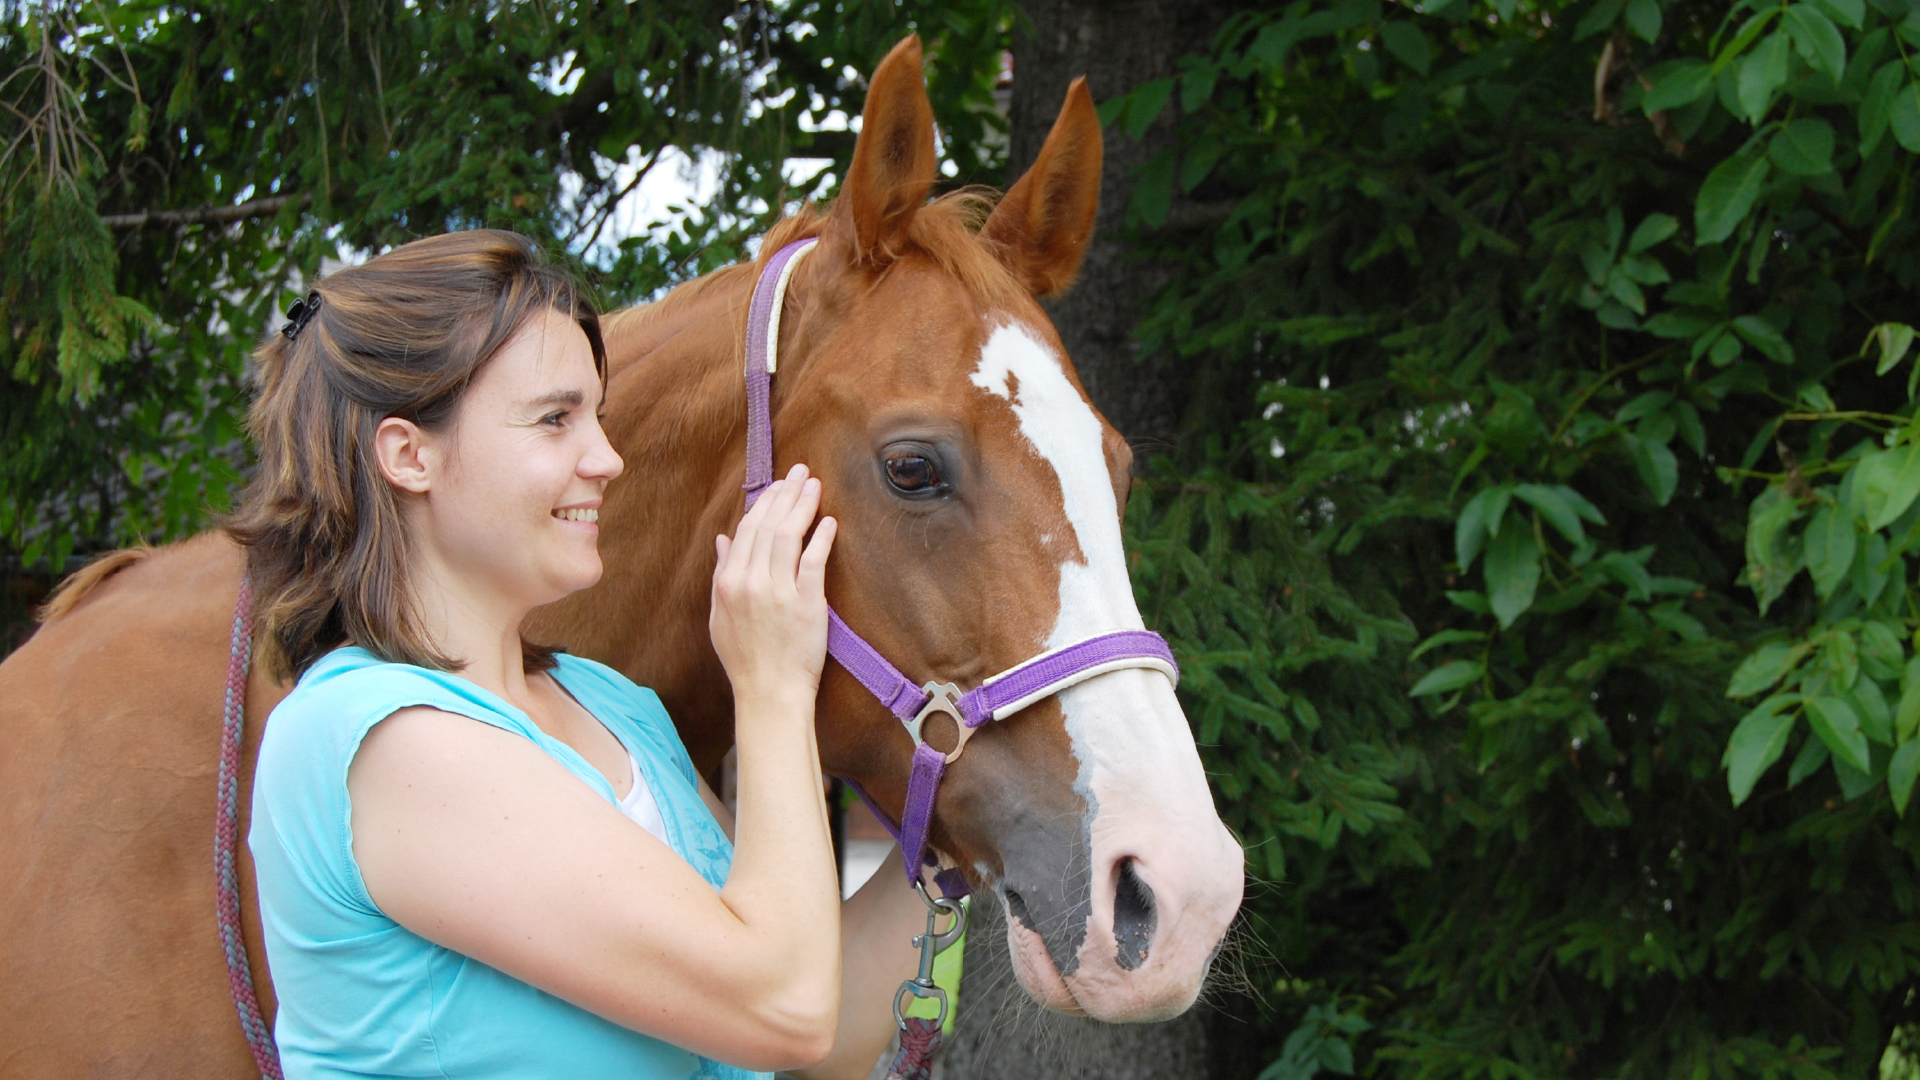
point(1041, 228)
point(893, 160)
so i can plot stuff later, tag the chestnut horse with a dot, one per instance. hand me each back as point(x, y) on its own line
point(978, 493)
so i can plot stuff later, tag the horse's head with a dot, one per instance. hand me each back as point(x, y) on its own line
point(979, 495)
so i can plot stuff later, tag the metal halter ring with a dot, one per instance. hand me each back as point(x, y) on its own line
point(943, 697)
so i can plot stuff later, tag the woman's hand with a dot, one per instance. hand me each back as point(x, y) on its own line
point(769, 619)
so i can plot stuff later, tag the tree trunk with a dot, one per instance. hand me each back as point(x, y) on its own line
point(1117, 45)
point(1000, 1033)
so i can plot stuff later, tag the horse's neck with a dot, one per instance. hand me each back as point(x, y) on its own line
point(676, 412)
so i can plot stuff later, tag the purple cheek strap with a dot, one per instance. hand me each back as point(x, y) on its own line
point(996, 698)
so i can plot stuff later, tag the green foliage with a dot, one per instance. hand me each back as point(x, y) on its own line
point(1504, 308)
point(170, 172)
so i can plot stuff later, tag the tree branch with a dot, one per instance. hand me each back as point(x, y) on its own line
point(204, 215)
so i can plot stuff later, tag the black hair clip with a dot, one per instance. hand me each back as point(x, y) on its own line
point(299, 313)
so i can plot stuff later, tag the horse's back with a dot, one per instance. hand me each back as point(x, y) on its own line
point(110, 960)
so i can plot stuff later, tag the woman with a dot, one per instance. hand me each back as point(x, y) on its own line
point(476, 856)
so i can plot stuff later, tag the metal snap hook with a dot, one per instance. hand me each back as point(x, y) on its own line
point(931, 944)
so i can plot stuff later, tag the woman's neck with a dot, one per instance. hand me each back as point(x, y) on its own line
point(468, 623)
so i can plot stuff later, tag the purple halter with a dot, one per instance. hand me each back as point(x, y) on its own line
point(998, 697)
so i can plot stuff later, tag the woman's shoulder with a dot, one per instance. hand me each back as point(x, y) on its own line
point(349, 689)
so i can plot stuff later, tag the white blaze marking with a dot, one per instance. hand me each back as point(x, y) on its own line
point(1127, 725)
point(1095, 596)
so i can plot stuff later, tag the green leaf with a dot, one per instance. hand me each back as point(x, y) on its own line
point(1817, 40)
point(1554, 510)
point(1870, 705)
point(1850, 12)
point(1830, 544)
point(1446, 637)
point(1153, 191)
point(1587, 511)
point(1196, 87)
point(1906, 716)
point(1477, 519)
point(1803, 148)
point(1513, 572)
point(1472, 601)
point(1761, 74)
point(1651, 230)
point(1678, 88)
point(1760, 334)
point(1901, 772)
point(1643, 16)
point(1726, 195)
point(1876, 106)
point(1623, 289)
point(1813, 754)
point(1600, 18)
point(1904, 118)
point(1756, 744)
point(1880, 651)
point(1144, 106)
point(1408, 45)
point(1773, 555)
point(1885, 483)
point(1766, 666)
point(1894, 340)
point(1840, 655)
point(1853, 782)
point(1833, 720)
point(1201, 156)
point(1644, 270)
point(1659, 469)
point(1448, 677)
point(1681, 324)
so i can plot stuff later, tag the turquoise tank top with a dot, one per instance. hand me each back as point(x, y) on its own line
point(360, 995)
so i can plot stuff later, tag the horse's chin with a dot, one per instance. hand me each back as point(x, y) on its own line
point(1110, 999)
point(1037, 974)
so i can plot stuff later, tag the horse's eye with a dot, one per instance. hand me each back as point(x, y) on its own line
point(912, 473)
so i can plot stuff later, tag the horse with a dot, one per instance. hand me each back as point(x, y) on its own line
point(979, 495)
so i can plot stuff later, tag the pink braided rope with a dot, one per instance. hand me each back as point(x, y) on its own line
point(226, 838)
point(919, 1041)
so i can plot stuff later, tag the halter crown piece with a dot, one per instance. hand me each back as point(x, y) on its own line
point(996, 698)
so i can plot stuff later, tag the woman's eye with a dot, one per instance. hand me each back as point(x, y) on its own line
point(912, 473)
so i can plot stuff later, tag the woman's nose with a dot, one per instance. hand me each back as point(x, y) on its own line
point(602, 461)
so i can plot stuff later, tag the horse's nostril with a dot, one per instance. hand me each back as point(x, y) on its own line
point(1017, 907)
point(1133, 917)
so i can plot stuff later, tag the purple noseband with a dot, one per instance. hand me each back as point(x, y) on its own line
point(998, 697)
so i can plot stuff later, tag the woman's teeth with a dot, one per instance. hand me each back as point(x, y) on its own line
point(592, 515)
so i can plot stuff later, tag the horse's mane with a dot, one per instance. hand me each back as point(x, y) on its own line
point(82, 583)
point(946, 230)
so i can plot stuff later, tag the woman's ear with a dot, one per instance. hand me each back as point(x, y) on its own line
point(405, 458)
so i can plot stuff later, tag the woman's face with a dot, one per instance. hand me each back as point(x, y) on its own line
point(513, 498)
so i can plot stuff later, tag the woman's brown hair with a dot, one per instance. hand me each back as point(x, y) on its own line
point(402, 335)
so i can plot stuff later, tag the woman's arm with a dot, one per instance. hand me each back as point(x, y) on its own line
point(475, 839)
point(877, 925)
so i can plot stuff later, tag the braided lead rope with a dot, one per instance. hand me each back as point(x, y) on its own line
point(226, 837)
point(919, 1041)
